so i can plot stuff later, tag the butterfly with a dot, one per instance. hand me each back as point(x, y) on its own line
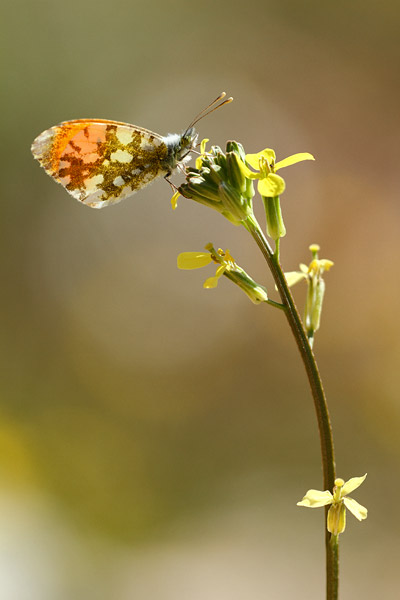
point(101, 162)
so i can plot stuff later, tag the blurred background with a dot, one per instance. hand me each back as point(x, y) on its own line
point(155, 436)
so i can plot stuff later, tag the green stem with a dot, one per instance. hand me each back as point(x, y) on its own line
point(334, 563)
point(276, 304)
point(277, 248)
point(320, 404)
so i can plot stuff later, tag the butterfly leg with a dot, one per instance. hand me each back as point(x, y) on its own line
point(173, 186)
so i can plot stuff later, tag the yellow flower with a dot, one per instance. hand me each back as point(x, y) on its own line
point(313, 272)
point(226, 266)
point(270, 184)
point(339, 502)
point(197, 260)
point(316, 289)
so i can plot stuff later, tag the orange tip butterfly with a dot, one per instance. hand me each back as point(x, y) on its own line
point(101, 162)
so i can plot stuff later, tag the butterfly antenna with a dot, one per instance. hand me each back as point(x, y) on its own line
point(210, 108)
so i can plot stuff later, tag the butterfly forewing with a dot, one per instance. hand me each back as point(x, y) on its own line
point(101, 162)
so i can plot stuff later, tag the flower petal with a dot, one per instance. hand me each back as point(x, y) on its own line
point(211, 282)
point(220, 270)
point(199, 160)
point(315, 498)
point(246, 171)
point(203, 144)
point(303, 268)
point(352, 484)
point(271, 186)
point(325, 264)
point(193, 260)
point(174, 200)
point(254, 159)
point(359, 511)
point(293, 277)
point(292, 160)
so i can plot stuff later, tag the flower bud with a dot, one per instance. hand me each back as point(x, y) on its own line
point(275, 225)
point(234, 202)
point(249, 191)
point(235, 174)
point(200, 190)
point(218, 157)
point(237, 148)
point(257, 293)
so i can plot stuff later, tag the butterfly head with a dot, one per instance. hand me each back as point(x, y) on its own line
point(179, 147)
point(188, 142)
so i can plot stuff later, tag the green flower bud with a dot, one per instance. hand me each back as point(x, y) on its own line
point(275, 225)
point(199, 187)
point(237, 148)
point(190, 191)
point(257, 293)
point(213, 175)
point(249, 191)
point(219, 157)
point(234, 202)
point(244, 183)
point(235, 174)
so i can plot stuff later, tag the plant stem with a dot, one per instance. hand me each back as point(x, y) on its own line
point(320, 404)
point(275, 304)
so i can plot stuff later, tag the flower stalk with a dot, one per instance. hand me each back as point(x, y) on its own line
point(225, 182)
point(317, 390)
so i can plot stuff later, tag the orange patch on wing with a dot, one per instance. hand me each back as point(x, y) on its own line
point(79, 138)
point(60, 141)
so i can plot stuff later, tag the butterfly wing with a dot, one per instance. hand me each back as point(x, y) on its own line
point(100, 162)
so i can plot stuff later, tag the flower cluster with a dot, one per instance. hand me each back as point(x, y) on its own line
point(218, 182)
point(224, 182)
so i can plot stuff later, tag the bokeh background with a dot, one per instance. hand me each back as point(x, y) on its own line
point(155, 436)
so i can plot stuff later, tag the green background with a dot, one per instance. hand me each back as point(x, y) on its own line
point(154, 436)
